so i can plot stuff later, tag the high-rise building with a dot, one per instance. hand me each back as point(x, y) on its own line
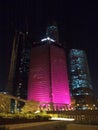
point(52, 32)
point(80, 81)
point(19, 67)
point(12, 65)
point(48, 79)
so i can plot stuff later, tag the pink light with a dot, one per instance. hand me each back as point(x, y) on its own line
point(39, 79)
point(60, 87)
point(48, 80)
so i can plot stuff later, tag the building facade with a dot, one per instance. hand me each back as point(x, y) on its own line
point(48, 80)
point(80, 80)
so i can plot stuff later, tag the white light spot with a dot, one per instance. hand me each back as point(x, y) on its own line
point(48, 39)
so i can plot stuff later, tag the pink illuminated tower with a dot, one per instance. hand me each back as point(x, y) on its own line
point(48, 80)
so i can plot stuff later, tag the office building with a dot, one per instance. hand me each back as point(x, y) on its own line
point(48, 79)
point(80, 81)
point(19, 67)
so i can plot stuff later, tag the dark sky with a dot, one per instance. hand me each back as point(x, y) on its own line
point(77, 22)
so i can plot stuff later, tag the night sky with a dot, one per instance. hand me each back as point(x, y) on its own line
point(77, 23)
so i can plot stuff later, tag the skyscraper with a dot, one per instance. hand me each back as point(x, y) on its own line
point(80, 80)
point(12, 64)
point(19, 68)
point(52, 32)
point(48, 80)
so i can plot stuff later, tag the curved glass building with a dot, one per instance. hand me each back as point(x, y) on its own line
point(48, 80)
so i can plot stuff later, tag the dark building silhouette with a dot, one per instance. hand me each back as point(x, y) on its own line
point(52, 32)
point(12, 64)
point(80, 80)
point(19, 67)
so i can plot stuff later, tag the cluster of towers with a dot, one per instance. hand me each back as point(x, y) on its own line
point(39, 71)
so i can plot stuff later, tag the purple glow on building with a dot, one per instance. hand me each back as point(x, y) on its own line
point(48, 80)
point(39, 79)
point(60, 86)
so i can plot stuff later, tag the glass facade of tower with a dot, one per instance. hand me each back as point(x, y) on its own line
point(21, 66)
point(80, 81)
point(48, 80)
